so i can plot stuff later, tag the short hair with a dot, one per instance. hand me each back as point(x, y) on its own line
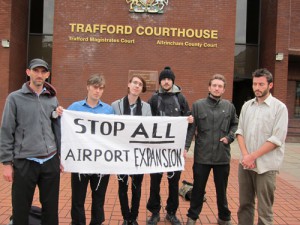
point(263, 72)
point(96, 79)
point(217, 77)
point(144, 89)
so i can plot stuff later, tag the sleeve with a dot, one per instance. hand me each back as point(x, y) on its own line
point(280, 126)
point(153, 104)
point(191, 128)
point(233, 124)
point(7, 131)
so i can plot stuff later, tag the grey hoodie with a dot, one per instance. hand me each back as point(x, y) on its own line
point(26, 129)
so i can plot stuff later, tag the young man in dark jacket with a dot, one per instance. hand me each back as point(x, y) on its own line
point(28, 146)
point(167, 101)
point(214, 127)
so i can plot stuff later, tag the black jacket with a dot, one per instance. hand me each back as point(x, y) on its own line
point(212, 121)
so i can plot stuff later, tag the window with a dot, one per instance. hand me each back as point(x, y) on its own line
point(297, 101)
point(41, 30)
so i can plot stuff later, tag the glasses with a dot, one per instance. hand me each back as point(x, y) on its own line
point(140, 84)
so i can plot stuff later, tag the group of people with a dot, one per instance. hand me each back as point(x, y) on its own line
point(29, 148)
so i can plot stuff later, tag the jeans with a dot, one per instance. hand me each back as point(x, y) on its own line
point(153, 204)
point(201, 173)
point(29, 174)
point(130, 213)
point(79, 189)
point(262, 186)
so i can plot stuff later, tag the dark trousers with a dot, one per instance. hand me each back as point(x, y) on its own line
point(29, 174)
point(153, 204)
point(79, 189)
point(128, 213)
point(201, 174)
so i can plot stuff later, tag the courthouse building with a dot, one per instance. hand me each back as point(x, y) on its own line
point(196, 38)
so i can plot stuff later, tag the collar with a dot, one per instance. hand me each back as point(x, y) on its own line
point(84, 103)
point(267, 101)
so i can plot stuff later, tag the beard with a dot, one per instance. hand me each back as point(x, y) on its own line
point(260, 94)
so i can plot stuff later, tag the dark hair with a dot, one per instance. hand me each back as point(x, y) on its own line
point(217, 77)
point(97, 80)
point(144, 89)
point(263, 73)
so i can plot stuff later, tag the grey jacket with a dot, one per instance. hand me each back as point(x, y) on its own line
point(212, 121)
point(119, 109)
point(26, 129)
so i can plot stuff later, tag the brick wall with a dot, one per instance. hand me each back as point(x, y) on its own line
point(5, 20)
point(295, 25)
point(73, 61)
point(13, 26)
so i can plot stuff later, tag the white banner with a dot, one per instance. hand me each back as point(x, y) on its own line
point(113, 144)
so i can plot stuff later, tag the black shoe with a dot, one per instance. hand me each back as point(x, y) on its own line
point(126, 222)
point(134, 222)
point(224, 222)
point(154, 219)
point(173, 219)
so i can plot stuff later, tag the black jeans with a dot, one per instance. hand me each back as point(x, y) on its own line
point(29, 174)
point(153, 204)
point(130, 213)
point(79, 189)
point(201, 174)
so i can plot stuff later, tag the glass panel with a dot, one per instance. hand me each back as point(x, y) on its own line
point(245, 61)
point(48, 17)
point(297, 103)
point(252, 21)
point(241, 21)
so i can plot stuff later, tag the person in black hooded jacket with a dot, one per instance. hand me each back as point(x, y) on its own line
point(167, 101)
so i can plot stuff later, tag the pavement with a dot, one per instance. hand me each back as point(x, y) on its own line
point(286, 205)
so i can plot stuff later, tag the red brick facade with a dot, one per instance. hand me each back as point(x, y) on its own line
point(74, 61)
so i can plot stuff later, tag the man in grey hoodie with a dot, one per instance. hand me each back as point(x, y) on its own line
point(28, 147)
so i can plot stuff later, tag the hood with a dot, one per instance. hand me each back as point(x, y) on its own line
point(175, 89)
point(50, 90)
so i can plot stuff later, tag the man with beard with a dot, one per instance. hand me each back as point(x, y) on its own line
point(167, 101)
point(261, 136)
point(214, 127)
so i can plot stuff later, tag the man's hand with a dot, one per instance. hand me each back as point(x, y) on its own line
point(248, 162)
point(224, 140)
point(8, 173)
point(59, 110)
point(190, 119)
point(184, 153)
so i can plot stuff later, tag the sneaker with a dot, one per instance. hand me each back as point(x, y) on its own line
point(125, 222)
point(224, 222)
point(190, 221)
point(173, 219)
point(154, 219)
point(134, 222)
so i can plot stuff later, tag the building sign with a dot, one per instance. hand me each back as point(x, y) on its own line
point(151, 78)
point(148, 6)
